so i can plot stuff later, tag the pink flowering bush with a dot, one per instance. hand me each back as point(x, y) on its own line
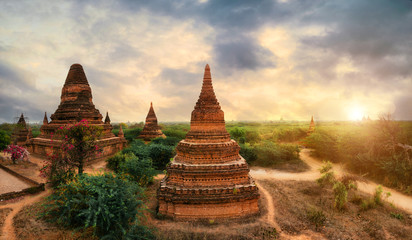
point(78, 145)
point(16, 152)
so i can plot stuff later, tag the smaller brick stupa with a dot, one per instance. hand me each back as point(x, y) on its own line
point(20, 133)
point(207, 178)
point(311, 126)
point(76, 104)
point(151, 129)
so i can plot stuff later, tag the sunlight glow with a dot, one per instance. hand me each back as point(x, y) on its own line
point(356, 113)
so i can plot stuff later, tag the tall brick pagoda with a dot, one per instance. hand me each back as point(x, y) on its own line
point(151, 129)
point(20, 133)
point(75, 105)
point(311, 126)
point(207, 178)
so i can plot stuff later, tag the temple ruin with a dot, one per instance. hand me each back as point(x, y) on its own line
point(21, 134)
point(76, 104)
point(151, 129)
point(311, 126)
point(207, 178)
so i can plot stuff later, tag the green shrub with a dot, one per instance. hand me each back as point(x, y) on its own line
point(131, 133)
point(180, 134)
point(367, 204)
point(237, 133)
point(161, 155)
point(252, 137)
point(4, 140)
point(114, 162)
point(109, 205)
point(398, 216)
point(138, 148)
point(169, 141)
point(290, 134)
point(325, 145)
point(341, 195)
point(316, 217)
point(138, 170)
point(248, 153)
point(270, 154)
point(327, 176)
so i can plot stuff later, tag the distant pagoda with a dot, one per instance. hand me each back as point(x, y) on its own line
point(20, 133)
point(311, 126)
point(76, 104)
point(207, 178)
point(151, 129)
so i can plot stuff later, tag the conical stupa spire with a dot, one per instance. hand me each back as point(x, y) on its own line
point(76, 75)
point(207, 97)
point(107, 119)
point(121, 134)
point(151, 129)
point(45, 120)
point(151, 114)
point(21, 120)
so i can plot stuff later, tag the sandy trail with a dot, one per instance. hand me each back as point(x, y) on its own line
point(398, 199)
point(8, 228)
point(271, 208)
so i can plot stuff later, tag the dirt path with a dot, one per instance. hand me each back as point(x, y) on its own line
point(398, 199)
point(8, 232)
point(271, 208)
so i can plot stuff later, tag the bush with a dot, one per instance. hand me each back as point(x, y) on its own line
point(341, 195)
point(131, 133)
point(237, 133)
point(161, 155)
point(270, 154)
point(114, 162)
point(138, 170)
point(4, 140)
point(327, 176)
point(252, 137)
point(316, 217)
point(138, 148)
point(248, 153)
point(108, 205)
point(324, 143)
point(180, 134)
point(169, 141)
point(290, 134)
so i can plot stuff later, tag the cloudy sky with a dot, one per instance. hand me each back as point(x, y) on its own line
point(336, 60)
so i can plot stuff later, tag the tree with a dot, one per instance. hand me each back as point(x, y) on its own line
point(4, 140)
point(79, 143)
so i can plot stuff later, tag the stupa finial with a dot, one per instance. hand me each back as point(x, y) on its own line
point(121, 134)
point(107, 119)
point(45, 120)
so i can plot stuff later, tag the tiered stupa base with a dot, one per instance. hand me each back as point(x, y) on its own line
point(182, 203)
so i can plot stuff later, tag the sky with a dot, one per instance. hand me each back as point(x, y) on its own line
point(269, 59)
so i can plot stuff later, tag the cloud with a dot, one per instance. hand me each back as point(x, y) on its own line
point(403, 108)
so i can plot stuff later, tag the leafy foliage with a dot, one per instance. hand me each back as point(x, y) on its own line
point(381, 150)
point(109, 205)
point(161, 155)
point(138, 170)
point(4, 140)
point(79, 143)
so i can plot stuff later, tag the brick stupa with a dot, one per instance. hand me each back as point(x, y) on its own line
point(20, 133)
point(76, 104)
point(311, 126)
point(207, 178)
point(151, 129)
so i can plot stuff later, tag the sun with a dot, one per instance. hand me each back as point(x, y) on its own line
point(356, 113)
